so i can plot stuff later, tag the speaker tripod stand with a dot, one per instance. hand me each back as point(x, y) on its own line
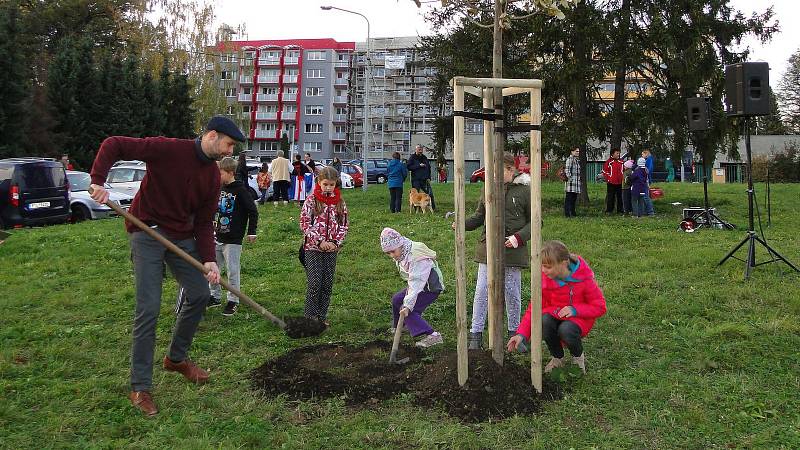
point(751, 238)
point(710, 218)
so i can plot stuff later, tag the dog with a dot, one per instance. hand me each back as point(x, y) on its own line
point(419, 201)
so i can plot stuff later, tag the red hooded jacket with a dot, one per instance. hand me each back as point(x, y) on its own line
point(612, 171)
point(583, 294)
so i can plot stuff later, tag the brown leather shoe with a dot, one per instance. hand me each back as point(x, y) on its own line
point(144, 402)
point(188, 369)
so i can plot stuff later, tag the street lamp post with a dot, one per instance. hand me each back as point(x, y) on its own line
point(367, 75)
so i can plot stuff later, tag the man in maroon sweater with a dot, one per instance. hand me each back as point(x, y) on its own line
point(177, 198)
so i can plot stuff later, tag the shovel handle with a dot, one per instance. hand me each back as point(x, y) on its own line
point(396, 342)
point(197, 264)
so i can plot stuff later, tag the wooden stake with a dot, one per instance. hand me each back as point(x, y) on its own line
point(460, 253)
point(497, 271)
point(536, 242)
point(489, 203)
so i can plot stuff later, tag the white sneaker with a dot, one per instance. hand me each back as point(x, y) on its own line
point(580, 361)
point(554, 364)
point(430, 340)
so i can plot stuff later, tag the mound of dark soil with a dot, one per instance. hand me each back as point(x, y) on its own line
point(358, 374)
point(492, 392)
point(300, 327)
point(363, 375)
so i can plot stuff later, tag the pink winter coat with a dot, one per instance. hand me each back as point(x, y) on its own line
point(583, 294)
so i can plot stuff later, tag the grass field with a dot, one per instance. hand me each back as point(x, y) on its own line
point(688, 356)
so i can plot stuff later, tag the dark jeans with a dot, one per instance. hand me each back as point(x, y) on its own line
point(613, 195)
point(280, 190)
point(424, 186)
point(570, 198)
point(555, 331)
point(395, 199)
point(263, 197)
point(626, 200)
point(148, 256)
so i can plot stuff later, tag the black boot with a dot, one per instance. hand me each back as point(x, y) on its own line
point(474, 341)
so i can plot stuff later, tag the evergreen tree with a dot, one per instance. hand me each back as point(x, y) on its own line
point(789, 93)
point(13, 82)
point(180, 115)
point(132, 95)
point(772, 123)
point(153, 109)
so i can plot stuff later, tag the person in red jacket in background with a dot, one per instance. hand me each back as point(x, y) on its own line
point(612, 172)
point(571, 302)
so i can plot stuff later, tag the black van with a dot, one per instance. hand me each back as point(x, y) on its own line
point(33, 191)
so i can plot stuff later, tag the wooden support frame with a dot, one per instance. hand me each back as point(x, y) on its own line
point(484, 88)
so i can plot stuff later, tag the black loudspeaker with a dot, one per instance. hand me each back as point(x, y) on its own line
point(747, 89)
point(697, 111)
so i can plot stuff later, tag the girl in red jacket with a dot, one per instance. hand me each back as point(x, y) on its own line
point(571, 301)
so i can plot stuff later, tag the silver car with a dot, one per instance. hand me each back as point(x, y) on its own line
point(82, 207)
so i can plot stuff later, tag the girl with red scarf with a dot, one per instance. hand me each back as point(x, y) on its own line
point(324, 222)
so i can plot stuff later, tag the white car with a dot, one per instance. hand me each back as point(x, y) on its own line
point(127, 176)
point(82, 207)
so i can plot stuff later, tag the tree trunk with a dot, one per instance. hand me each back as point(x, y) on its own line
point(621, 49)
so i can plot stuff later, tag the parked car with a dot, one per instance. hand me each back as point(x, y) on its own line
point(83, 207)
point(127, 176)
point(347, 181)
point(478, 175)
point(355, 172)
point(33, 191)
point(377, 170)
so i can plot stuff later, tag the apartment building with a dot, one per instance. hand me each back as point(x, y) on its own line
point(401, 103)
point(294, 87)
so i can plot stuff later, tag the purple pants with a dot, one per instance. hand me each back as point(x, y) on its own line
point(414, 323)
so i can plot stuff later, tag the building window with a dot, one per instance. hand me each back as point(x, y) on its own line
point(314, 110)
point(271, 55)
point(314, 73)
point(341, 110)
point(313, 128)
point(289, 109)
point(290, 72)
point(231, 110)
point(263, 126)
point(339, 148)
point(230, 92)
point(269, 90)
point(266, 146)
point(315, 56)
point(292, 54)
point(290, 90)
point(228, 75)
point(246, 109)
point(315, 92)
point(247, 90)
point(312, 146)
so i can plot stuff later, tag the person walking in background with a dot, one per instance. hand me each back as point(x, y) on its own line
point(517, 231)
point(424, 282)
point(571, 303)
point(299, 171)
point(241, 168)
point(324, 221)
point(640, 190)
point(309, 162)
point(612, 172)
point(572, 186)
point(396, 175)
point(337, 164)
point(263, 180)
point(420, 168)
point(279, 170)
point(177, 199)
point(65, 162)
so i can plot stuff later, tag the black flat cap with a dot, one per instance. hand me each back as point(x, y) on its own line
point(225, 126)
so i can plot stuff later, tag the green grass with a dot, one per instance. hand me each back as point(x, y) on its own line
point(688, 356)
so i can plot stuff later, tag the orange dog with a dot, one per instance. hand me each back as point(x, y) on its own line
point(419, 201)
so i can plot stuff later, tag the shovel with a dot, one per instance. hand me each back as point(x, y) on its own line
point(396, 343)
point(294, 327)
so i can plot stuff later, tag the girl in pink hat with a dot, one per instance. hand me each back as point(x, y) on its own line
point(418, 267)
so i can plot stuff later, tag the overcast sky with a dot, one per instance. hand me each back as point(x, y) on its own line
point(296, 19)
